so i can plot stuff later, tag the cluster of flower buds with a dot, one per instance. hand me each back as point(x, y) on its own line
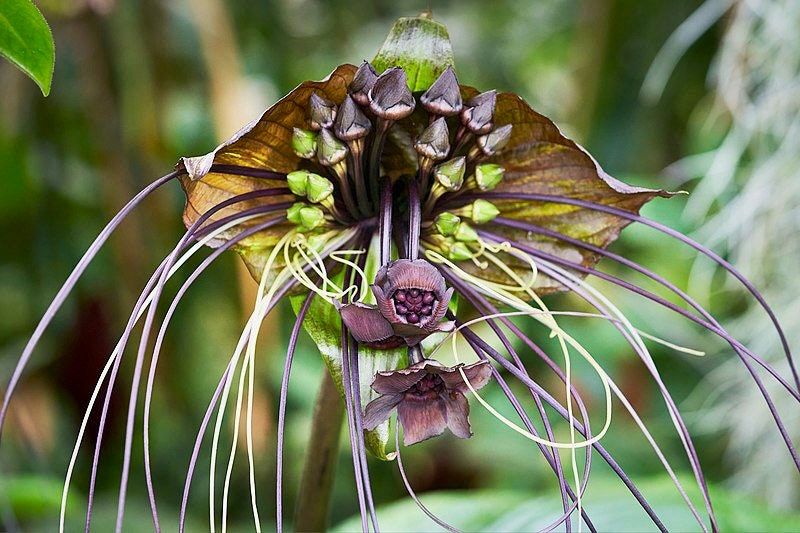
point(344, 142)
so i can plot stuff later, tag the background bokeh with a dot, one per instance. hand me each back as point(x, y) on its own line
point(711, 108)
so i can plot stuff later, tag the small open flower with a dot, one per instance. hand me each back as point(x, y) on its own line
point(429, 398)
point(412, 300)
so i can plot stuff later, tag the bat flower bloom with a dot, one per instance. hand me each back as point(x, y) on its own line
point(399, 210)
point(428, 396)
point(411, 300)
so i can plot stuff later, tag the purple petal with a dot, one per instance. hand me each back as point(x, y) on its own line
point(378, 410)
point(478, 375)
point(385, 305)
point(457, 414)
point(406, 274)
point(441, 307)
point(409, 330)
point(422, 419)
point(398, 381)
point(365, 323)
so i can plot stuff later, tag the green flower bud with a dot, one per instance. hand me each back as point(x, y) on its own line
point(304, 143)
point(483, 211)
point(465, 233)
point(298, 182)
point(447, 223)
point(293, 213)
point(306, 217)
point(488, 175)
point(311, 217)
point(330, 150)
point(450, 174)
point(459, 252)
point(318, 188)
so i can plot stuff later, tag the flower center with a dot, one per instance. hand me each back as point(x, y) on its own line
point(414, 305)
point(427, 388)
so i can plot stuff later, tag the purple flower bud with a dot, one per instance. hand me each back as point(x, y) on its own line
point(363, 80)
point(495, 141)
point(322, 112)
point(351, 122)
point(444, 96)
point(434, 142)
point(390, 98)
point(478, 114)
point(428, 397)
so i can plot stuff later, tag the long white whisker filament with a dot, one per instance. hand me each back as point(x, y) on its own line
point(244, 337)
point(117, 352)
point(249, 335)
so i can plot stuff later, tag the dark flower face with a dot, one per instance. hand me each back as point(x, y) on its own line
point(429, 398)
point(412, 300)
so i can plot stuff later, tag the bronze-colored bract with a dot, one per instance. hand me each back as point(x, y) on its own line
point(535, 155)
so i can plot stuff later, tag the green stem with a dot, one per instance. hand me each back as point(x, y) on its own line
point(316, 485)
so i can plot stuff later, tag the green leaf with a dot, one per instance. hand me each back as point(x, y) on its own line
point(33, 496)
point(324, 326)
point(26, 41)
point(421, 46)
point(608, 503)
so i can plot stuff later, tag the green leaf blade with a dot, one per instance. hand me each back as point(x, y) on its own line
point(421, 46)
point(26, 41)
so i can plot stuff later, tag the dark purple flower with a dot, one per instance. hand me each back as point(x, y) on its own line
point(428, 396)
point(412, 300)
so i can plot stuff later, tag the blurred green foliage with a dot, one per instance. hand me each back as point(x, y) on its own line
point(141, 82)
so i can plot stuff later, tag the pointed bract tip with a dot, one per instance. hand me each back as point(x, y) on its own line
point(304, 143)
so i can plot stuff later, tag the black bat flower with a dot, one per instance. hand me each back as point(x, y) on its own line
point(411, 299)
point(428, 396)
point(392, 176)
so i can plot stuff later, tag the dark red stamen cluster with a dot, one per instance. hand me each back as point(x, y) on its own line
point(427, 388)
point(412, 304)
